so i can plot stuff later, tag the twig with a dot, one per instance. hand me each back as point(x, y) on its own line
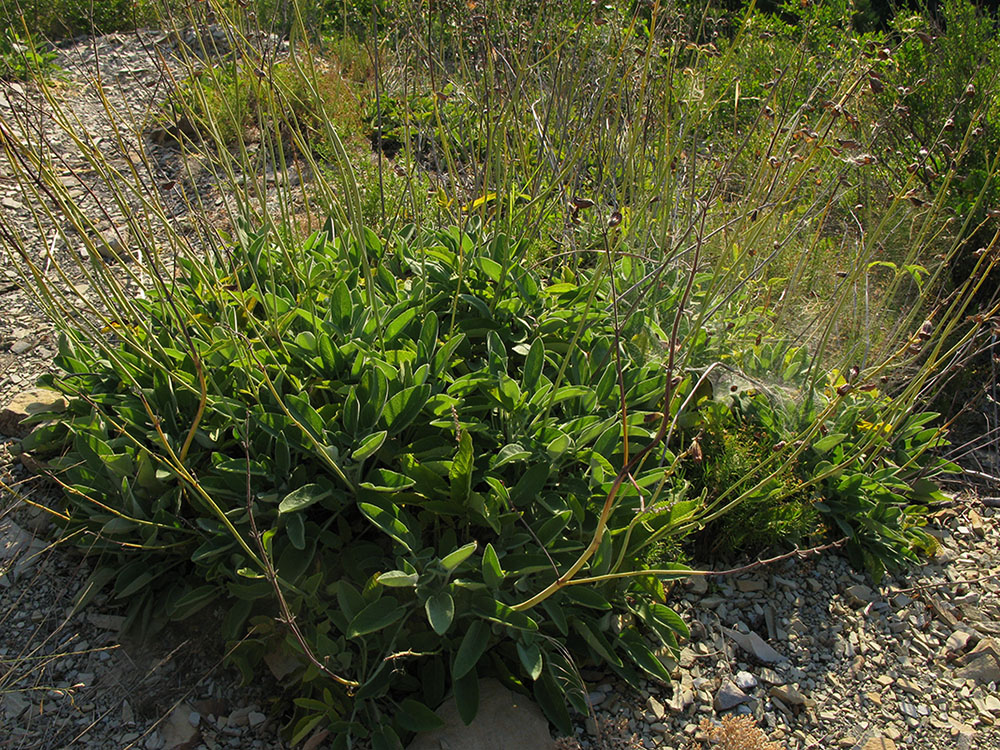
point(981, 475)
point(943, 584)
point(272, 576)
point(800, 554)
point(684, 573)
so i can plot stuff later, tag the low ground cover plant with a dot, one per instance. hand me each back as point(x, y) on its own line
point(23, 57)
point(417, 446)
point(237, 105)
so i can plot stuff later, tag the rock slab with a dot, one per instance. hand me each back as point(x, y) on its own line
point(27, 404)
point(505, 721)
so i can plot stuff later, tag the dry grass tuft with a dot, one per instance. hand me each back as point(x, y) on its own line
point(735, 733)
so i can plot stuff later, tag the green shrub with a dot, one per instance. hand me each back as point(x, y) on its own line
point(405, 460)
point(418, 459)
point(59, 19)
point(236, 103)
point(424, 445)
point(24, 58)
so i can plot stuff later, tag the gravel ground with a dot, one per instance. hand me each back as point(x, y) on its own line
point(810, 648)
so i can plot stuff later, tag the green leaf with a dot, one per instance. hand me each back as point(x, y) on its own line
point(453, 559)
point(467, 696)
point(369, 446)
point(830, 441)
point(132, 579)
point(460, 473)
point(533, 366)
point(428, 333)
point(529, 485)
point(384, 738)
point(505, 615)
point(551, 698)
point(400, 323)
point(304, 726)
point(596, 640)
point(376, 616)
point(507, 454)
point(192, 602)
point(531, 659)
point(440, 611)
point(474, 644)
point(643, 657)
point(385, 480)
point(403, 408)
point(414, 716)
point(392, 520)
point(443, 357)
point(295, 527)
point(587, 597)
point(340, 306)
point(301, 498)
point(493, 574)
point(661, 616)
point(398, 579)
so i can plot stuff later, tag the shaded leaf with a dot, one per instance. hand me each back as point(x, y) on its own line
point(474, 644)
point(376, 616)
point(440, 610)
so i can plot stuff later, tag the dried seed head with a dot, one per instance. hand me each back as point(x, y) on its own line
point(696, 455)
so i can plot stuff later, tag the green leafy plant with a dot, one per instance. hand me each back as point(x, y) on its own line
point(67, 18)
point(23, 58)
point(412, 455)
point(237, 103)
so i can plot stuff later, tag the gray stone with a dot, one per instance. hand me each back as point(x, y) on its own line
point(656, 707)
point(982, 664)
point(505, 721)
point(729, 696)
point(790, 696)
point(177, 732)
point(957, 641)
point(754, 644)
point(745, 681)
point(750, 585)
point(859, 595)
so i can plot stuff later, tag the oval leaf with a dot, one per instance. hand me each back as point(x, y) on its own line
point(402, 408)
point(531, 659)
point(398, 579)
point(474, 644)
point(369, 446)
point(440, 611)
point(376, 616)
point(302, 498)
point(414, 716)
point(453, 559)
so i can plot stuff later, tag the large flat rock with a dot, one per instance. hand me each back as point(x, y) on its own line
point(26, 404)
point(506, 721)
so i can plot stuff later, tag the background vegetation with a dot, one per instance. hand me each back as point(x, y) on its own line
point(564, 295)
